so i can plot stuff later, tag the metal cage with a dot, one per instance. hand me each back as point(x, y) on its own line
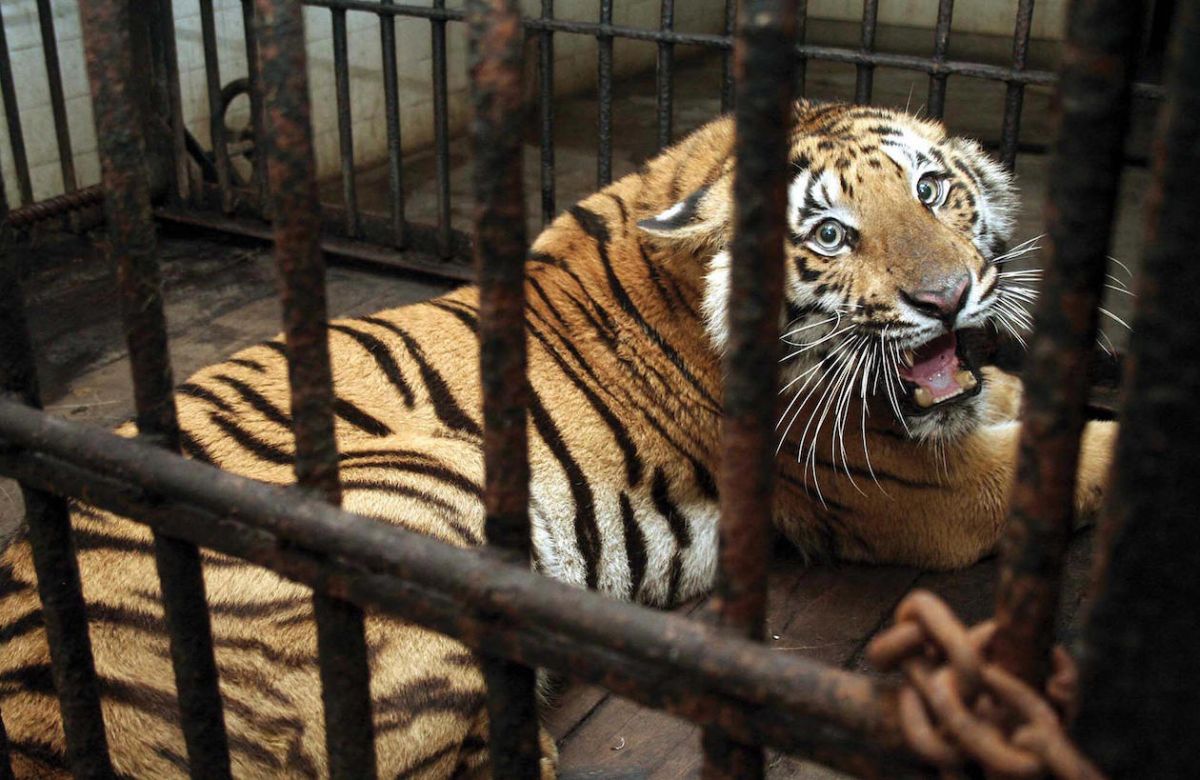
point(1139, 665)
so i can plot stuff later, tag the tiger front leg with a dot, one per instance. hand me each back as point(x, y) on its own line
point(946, 508)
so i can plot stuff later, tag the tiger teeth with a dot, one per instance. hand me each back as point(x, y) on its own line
point(909, 358)
point(923, 397)
point(966, 380)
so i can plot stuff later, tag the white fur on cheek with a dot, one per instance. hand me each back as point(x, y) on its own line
point(715, 306)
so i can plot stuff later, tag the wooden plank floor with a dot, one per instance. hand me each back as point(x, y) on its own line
point(826, 613)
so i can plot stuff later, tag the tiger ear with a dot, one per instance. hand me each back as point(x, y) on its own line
point(702, 217)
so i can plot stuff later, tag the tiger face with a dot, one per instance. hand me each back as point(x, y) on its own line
point(893, 266)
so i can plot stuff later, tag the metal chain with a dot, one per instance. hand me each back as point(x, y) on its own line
point(958, 707)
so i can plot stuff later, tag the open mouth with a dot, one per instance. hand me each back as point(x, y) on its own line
point(939, 373)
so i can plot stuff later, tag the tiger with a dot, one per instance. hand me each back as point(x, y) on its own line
point(896, 443)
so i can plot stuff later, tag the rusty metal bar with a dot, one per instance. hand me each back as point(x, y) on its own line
point(727, 88)
point(1098, 66)
point(391, 107)
point(291, 169)
point(497, 64)
point(1014, 96)
point(12, 114)
point(216, 121)
point(941, 45)
point(106, 35)
point(1139, 672)
point(546, 107)
point(441, 131)
point(762, 116)
point(59, 589)
point(694, 670)
point(864, 80)
point(181, 175)
point(256, 102)
point(58, 104)
point(345, 123)
point(604, 96)
point(724, 42)
point(665, 77)
point(800, 69)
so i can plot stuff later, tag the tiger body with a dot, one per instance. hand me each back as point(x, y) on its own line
point(624, 331)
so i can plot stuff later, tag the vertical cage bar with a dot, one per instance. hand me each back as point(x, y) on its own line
point(256, 106)
point(801, 66)
point(1140, 674)
point(765, 44)
point(1014, 96)
point(496, 69)
point(345, 121)
point(181, 163)
point(604, 97)
point(64, 612)
point(1098, 68)
point(391, 107)
point(58, 103)
point(864, 80)
point(291, 169)
point(665, 77)
point(941, 45)
point(216, 122)
point(727, 89)
point(546, 106)
point(441, 133)
point(130, 223)
point(12, 114)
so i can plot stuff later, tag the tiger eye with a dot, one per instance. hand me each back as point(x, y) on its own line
point(929, 189)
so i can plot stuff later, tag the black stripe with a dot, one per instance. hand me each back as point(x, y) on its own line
point(673, 582)
point(260, 448)
point(445, 406)
point(408, 491)
point(276, 346)
point(359, 418)
point(15, 628)
point(383, 357)
point(461, 312)
point(256, 400)
point(660, 493)
point(34, 678)
point(633, 463)
point(464, 534)
point(425, 467)
point(595, 227)
point(93, 539)
point(399, 708)
point(587, 532)
point(204, 394)
point(253, 365)
point(193, 448)
point(635, 548)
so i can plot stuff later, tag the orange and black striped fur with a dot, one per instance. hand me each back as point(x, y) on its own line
point(896, 231)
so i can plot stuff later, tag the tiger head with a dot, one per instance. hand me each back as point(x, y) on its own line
point(895, 230)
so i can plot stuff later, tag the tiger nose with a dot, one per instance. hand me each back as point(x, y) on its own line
point(942, 300)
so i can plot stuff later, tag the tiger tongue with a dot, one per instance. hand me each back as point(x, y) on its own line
point(935, 368)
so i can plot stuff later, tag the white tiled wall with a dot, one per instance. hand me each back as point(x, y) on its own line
point(575, 57)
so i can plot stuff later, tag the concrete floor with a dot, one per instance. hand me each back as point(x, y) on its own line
point(220, 293)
